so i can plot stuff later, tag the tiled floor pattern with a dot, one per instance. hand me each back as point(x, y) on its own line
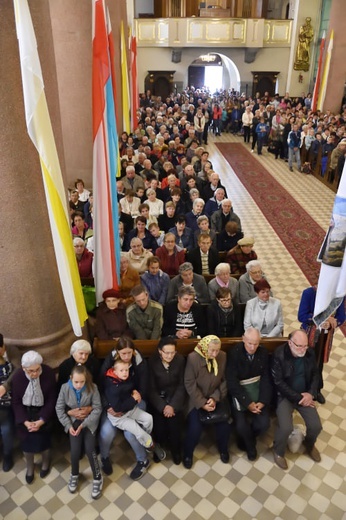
point(240, 490)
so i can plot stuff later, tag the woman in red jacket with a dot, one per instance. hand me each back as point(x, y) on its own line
point(217, 113)
point(170, 257)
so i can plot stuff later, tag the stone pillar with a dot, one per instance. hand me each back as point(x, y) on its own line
point(33, 312)
point(336, 77)
point(71, 23)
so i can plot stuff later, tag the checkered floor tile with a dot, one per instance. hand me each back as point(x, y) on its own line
point(240, 490)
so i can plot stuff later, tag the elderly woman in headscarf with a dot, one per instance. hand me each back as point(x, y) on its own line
point(205, 384)
point(33, 402)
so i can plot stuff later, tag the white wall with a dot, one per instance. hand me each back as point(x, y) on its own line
point(143, 6)
point(267, 59)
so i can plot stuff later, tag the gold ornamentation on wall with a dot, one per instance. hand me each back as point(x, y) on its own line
point(306, 34)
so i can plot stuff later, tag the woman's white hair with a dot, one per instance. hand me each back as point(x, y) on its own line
point(222, 266)
point(31, 358)
point(253, 263)
point(80, 344)
point(197, 201)
point(77, 241)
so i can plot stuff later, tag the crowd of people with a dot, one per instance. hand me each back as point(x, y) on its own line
point(167, 182)
point(187, 270)
point(161, 403)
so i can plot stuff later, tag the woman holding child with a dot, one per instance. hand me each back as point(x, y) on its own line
point(126, 410)
point(138, 375)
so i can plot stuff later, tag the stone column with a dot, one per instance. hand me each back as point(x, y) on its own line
point(33, 312)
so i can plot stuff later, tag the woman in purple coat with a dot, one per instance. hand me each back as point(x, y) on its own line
point(33, 401)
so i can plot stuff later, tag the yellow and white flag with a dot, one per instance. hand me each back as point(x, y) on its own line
point(323, 89)
point(41, 133)
point(125, 88)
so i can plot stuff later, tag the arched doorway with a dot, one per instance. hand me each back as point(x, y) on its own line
point(223, 71)
point(160, 82)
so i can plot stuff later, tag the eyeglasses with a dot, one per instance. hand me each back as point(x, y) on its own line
point(224, 300)
point(172, 354)
point(299, 346)
point(32, 370)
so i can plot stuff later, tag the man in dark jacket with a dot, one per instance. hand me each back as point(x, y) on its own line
point(249, 390)
point(204, 257)
point(296, 378)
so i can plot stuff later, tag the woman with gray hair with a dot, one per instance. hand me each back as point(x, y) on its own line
point(192, 216)
point(223, 278)
point(184, 318)
point(33, 402)
point(84, 258)
point(247, 281)
point(80, 354)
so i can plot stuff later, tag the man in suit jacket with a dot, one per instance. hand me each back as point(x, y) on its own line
point(204, 258)
point(251, 412)
point(132, 181)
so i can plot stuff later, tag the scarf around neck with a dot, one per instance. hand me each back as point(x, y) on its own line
point(33, 395)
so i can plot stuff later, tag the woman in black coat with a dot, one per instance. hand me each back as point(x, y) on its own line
point(224, 316)
point(167, 395)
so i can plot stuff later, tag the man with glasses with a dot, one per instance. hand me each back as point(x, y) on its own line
point(296, 377)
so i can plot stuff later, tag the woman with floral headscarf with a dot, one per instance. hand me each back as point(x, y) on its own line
point(205, 383)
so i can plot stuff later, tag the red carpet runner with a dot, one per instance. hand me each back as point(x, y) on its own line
point(299, 233)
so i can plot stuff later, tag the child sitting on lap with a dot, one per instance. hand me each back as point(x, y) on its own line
point(123, 398)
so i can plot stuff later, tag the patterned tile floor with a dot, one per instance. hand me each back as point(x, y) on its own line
point(240, 490)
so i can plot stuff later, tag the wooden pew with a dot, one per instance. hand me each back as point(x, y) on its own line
point(147, 347)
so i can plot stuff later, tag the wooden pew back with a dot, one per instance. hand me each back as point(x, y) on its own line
point(148, 346)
